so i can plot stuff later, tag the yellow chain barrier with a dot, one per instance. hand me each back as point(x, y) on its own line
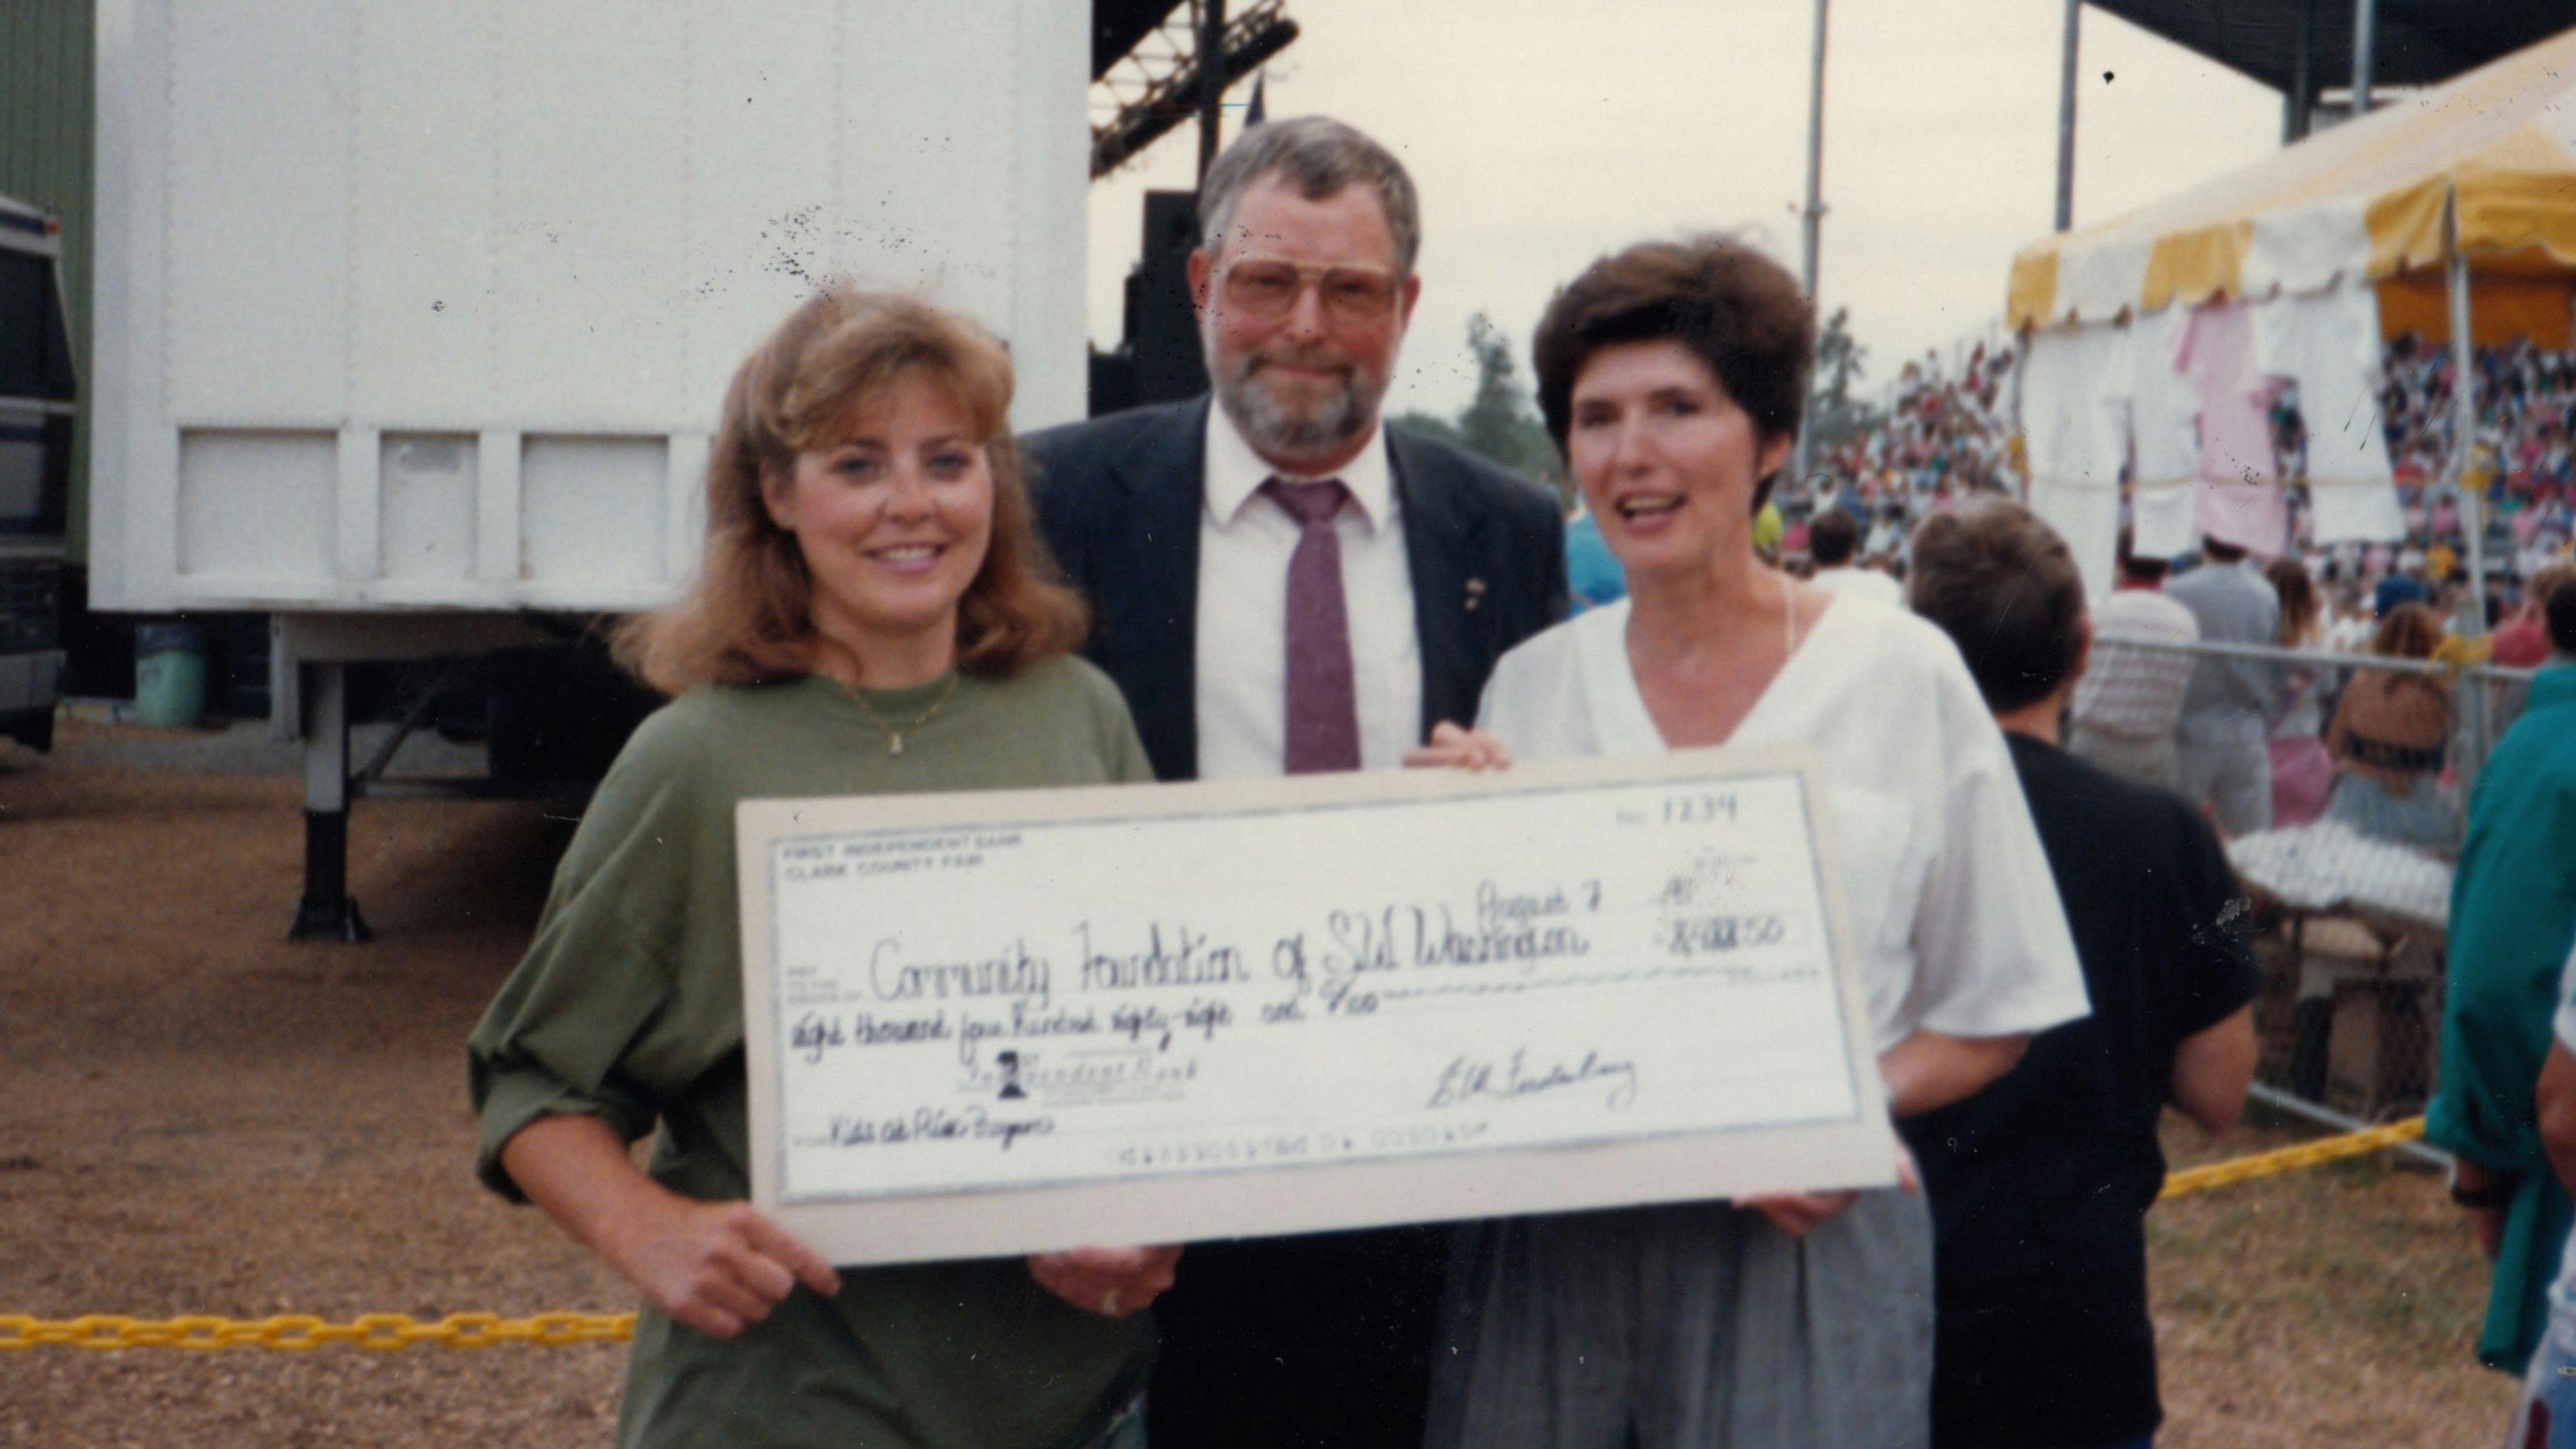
point(384, 1332)
point(300, 1333)
point(2306, 1154)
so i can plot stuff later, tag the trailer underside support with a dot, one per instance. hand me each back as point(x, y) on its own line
point(327, 911)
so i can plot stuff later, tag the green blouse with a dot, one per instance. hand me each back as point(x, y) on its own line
point(628, 1007)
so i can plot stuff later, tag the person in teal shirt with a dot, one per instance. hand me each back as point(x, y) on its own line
point(1593, 576)
point(2513, 917)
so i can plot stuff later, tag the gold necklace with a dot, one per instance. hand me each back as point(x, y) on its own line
point(894, 736)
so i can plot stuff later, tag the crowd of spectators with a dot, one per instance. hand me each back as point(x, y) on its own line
point(1947, 433)
point(2525, 462)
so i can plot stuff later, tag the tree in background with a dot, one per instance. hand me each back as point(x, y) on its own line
point(1840, 362)
point(1501, 422)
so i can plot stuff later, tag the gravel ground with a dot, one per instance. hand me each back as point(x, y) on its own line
point(199, 1117)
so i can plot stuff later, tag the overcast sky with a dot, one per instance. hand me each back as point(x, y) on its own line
point(1543, 134)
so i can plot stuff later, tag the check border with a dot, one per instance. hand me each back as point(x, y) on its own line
point(1297, 1197)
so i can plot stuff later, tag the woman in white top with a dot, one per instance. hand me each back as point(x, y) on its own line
point(1672, 375)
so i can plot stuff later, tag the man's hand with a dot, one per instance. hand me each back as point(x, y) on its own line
point(1112, 1282)
point(2486, 1228)
point(1453, 748)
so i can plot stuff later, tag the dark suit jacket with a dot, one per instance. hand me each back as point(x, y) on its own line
point(1119, 500)
point(1319, 1342)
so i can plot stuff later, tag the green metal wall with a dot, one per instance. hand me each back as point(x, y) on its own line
point(48, 157)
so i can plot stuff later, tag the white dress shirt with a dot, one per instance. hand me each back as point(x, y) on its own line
point(1245, 539)
point(1954, 910)
point(1869, 583)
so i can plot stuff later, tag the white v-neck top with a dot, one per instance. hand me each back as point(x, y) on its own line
point(1957, 916)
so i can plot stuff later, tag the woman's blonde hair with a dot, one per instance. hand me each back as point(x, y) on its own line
point(748, 615)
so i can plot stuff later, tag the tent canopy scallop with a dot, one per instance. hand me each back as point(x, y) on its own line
point(2362, 200)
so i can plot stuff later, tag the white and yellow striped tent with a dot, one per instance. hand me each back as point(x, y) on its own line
point(2359, 201)
point(2361, 205)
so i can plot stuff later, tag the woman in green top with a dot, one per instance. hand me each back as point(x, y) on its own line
point(873, 615)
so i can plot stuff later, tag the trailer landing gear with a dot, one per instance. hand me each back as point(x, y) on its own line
point(327, 912)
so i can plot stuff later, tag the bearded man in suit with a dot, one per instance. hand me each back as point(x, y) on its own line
point(1282, 584)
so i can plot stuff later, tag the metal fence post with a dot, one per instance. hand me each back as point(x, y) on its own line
point(2472, 616)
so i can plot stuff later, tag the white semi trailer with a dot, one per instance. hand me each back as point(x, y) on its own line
point(413, 319)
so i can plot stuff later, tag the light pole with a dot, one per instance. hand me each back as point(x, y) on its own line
point(2066, 120)
point(1812, 219)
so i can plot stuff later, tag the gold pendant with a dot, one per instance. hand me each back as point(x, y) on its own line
point(894, 743)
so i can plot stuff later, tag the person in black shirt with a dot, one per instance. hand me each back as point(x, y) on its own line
point(2040, 1184)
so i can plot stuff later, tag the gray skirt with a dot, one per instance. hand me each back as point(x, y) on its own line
point(1690, 1324)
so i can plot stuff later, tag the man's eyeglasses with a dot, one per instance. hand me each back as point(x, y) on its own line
point(1269, 286)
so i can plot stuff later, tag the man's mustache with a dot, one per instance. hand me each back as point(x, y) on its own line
point(1333, 362)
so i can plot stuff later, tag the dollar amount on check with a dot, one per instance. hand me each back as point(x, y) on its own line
point(1199, 1000)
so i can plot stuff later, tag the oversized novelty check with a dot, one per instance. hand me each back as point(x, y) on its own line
point(998, 1023)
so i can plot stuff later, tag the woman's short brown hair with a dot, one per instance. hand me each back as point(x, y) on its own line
point(2003, 586)
point(1724, 301)
point(748, 615)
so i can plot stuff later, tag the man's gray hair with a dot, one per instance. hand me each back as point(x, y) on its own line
point(1319, 156)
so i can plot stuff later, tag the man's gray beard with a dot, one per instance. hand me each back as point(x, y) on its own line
point(1273, 431)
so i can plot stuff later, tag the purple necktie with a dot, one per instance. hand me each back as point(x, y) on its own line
point(1322, 713)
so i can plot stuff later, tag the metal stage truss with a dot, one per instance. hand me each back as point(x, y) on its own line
point(1156, 83)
